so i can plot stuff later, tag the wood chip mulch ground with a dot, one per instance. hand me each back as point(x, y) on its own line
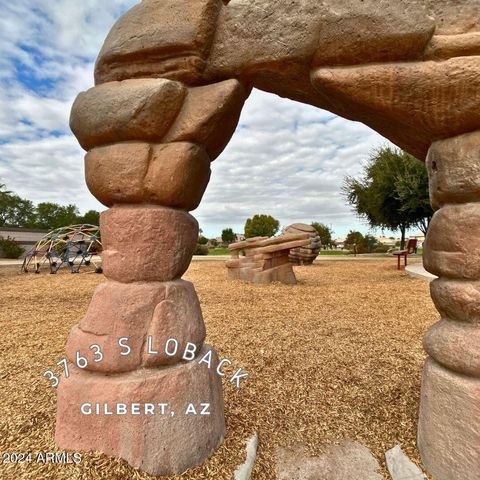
point(337, 356)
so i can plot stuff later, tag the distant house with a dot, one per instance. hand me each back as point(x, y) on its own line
point(339, 243)
point(388, 241)
point(239, 237)
point(420, 237)
point(26, 237)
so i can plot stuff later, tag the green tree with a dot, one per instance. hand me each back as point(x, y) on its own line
point(3, 190)
point(412, 189)
point(52, 215)
point(354, 238)
point(392, 192)
point(370, 242)
point(202, 240)
point(228, 236)
point(261, 226)
point(361, 243)
point(325, 233)
point(92, 217)
point(14, 210)
point(10, 248)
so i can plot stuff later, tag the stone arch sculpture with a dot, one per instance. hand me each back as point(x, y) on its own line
point(171, 80)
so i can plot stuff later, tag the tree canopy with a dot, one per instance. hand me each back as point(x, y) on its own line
point(392, 193)
point(16, 211)
point(92, 217)
point(324, 232)
point(361, 243)
point(261, 226)
point(51, 215)
point(228, 236)
point(19, 212)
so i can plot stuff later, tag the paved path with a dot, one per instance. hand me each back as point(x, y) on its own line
point(416, 270)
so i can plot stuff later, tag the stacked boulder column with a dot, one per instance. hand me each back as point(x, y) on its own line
point(449, 424)
point(150, 143)
point(307, 254)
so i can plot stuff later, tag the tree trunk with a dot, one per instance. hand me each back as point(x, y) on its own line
point(402, 241)
point(423, 225)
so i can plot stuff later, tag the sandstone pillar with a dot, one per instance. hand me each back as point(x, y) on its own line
point(449, 424)
point(137, 386)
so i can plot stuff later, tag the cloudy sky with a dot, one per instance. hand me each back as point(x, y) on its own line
point(286, 159)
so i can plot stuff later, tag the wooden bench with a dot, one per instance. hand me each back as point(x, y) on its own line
point(411, 248)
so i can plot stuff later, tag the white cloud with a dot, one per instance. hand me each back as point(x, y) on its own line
point(48, 53)
point(286, 159)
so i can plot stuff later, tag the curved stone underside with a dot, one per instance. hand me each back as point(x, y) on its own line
point(171, 81)
point(407, 68)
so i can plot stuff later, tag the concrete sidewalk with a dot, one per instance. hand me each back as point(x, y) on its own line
point(416, 270)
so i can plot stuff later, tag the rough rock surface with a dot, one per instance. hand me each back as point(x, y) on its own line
point(448, 435)
point(389, 93)
point(178, 317)
point(142, 109)
point(157, 444)
point(451, 248)
point(457, 299)
point(161, 311)
point(442, 47)
point(177, 175)
point(147, 244)
point(454, 170)
point(115, 173)
point(174, 174)
point(266, 259)
point(116, 310)
point(209, 116)
point(455, 346)
point(454, 18)
point(304, 255)
point(244, 471)
point(401, 467)
point(159, 38)
point(348, 460)
point(258, 35)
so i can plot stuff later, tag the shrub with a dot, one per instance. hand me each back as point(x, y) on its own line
point(11, 248)
point(200, 250)
point(202, 240)
point(359, 249)
point(381, 249)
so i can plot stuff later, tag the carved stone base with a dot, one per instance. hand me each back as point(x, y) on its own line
point(122, 416)
point(449, 423)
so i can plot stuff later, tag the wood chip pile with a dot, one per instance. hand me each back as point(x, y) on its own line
point(338, 355)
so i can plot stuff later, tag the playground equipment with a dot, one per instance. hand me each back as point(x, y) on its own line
point(306, 254)
point(266, 259)
point(73, 246)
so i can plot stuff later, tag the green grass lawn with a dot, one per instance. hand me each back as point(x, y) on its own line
point(219, 251)
point(333, 252)
point(226, 251)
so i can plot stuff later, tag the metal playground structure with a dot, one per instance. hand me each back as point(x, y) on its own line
point(73, 247)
